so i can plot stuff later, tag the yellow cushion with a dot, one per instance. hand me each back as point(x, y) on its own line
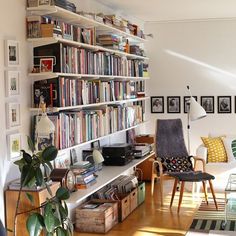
point(215, 149)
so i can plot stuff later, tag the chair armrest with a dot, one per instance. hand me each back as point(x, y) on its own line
point(202, 152)
point(154, 165)
point(199, 159)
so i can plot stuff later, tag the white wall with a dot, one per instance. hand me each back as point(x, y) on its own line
point(201, 54)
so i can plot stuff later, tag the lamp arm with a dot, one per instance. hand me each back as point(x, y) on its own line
point(189, 90)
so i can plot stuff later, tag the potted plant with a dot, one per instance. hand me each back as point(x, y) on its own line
point(54, 219)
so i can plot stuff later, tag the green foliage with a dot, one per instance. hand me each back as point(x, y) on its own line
point(54, 219)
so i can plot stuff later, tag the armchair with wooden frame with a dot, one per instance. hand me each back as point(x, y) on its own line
point(173, 161)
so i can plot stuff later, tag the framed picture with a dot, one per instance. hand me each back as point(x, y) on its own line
point(13, 115)
point(186, 103)
point(224, 104)
point(44, 2)
point(62, 160)
point(12, 81)
point(73, 156)
point(207, 102)
point(173, 104)
point(157, 104)
point(95, 144)
point(14, 146)
point(46, 65)
point(12, 53)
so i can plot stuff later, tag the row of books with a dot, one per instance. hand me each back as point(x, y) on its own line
point(82, 61)
point(35, 29)
point(62, 92)
point(75, 127)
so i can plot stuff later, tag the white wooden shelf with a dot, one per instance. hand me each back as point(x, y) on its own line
point(79, 107)
point(105, 176)
point(45, 41)
point(102, 137)
point(73, 18)
point(47, 75)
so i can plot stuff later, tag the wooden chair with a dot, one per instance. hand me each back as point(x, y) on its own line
point(170, 147)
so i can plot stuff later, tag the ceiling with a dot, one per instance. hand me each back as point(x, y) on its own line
point(169, 10)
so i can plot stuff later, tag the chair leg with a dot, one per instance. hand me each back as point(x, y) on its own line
point(213, 193)
point(181, 195)
point(173, 192)
point(161, 189)
point(152, 184)
point(205, 193)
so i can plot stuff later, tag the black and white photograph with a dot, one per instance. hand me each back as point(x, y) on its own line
point(187, 103)
point(157, 104)
point(207, 102)
point(173, 104)
point(12, 83)
point(44, 2)
point(224, 104)
point(12, 53)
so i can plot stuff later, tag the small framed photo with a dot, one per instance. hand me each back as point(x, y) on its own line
point(207, 102)
point(95, 145)
point(46, 65)
point(173, 104)
point(14, 146)
point(73, 156)
point(12, 53)
point(224, 104)
point(62, 160)
point(13, 115)
point(44, 2)
point(12, 81)
point(157, 104)
point(187, 103)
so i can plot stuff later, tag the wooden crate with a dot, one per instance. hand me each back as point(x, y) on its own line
point(124, 206)
point(98, 220)
point(133, 199)
point(141, 192)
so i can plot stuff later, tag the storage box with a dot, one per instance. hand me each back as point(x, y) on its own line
point(96, 216)
point(141, 192)
point(46, 30)
point(124, 206)
point(133, 199)
point(149, 138)
point(32, 3)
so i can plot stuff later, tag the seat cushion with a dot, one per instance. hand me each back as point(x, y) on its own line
point(177, 164)
point(192, 176)
point(215, 149)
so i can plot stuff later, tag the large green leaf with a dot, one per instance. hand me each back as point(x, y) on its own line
point(30, 197)
point(62, 193)
point(30, 144)
point(27, 174)
point(61, 232)
point(27, 157)
point(34, 224)
point(51, 222)
point(49, 153)
point(48, 208)
point(63, 212)
point(20, 163)
point(39, 177)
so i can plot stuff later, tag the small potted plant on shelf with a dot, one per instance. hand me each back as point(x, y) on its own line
point(53, 220)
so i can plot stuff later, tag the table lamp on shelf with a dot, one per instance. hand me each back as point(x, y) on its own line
point(45, 130)
point(195, 112)
point(97, 159)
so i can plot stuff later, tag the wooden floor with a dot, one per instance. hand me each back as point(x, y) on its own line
point(152, 219)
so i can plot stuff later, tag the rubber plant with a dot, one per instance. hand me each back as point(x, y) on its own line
point(54, 220)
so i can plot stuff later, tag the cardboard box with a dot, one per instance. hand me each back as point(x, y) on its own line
point(96, 216)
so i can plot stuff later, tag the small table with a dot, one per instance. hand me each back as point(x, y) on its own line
point(230, 198)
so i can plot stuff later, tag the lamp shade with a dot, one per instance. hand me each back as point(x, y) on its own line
point(97, 157)
point(196, 111)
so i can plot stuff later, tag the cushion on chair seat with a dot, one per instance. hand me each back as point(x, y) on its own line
point(192, 176)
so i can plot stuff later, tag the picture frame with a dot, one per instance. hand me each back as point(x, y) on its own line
point(62, 161)
point(44, 2)
point(186, 103)
point(46, 65)
point(12, 54)
point(208, 103)
point(173, 104)
point(95, 144)
point(14, 146)
point(12, 83)
point(73, 156)
point(157, 104)
point(224, 104)
point(13, 115)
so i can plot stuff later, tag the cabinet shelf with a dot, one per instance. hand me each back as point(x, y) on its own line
point(102, 137)
point(74, 18)
point(45, 41)
point(105, 176)
point(47, 75)
point(79, 107)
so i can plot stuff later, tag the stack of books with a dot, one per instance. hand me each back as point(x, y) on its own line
point(84, 174)
point(109, 41)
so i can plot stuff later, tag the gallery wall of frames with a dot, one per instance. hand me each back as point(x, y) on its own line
point(180, 104)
